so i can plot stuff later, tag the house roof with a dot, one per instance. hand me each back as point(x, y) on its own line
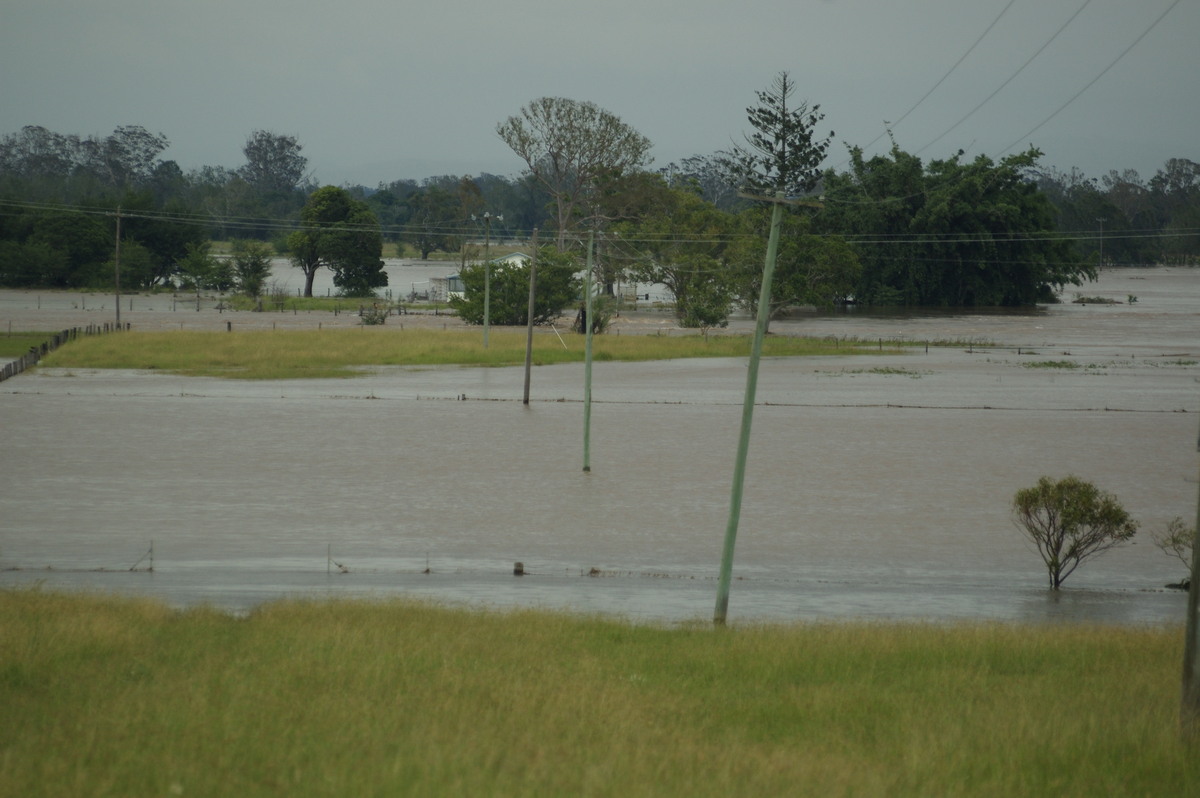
point(515, 257)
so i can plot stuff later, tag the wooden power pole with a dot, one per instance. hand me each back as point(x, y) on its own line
point(532, 307)
point(117, 266)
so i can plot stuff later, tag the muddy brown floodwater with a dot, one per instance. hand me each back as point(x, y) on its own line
point(878, 486)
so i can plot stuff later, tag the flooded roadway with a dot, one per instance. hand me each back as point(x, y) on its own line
point(878, 486)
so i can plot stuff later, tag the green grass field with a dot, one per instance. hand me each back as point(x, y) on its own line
point(273, 354)
point(107, 696)
point(15, 344)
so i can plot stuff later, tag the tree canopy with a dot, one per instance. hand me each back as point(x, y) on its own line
point(1069, 521)
point(683, 242)
point(810, 269)
point(568, 145)
point(273, 162)
point(949, 233)
point(341, 234)
point(782, 154)
point(557, 287)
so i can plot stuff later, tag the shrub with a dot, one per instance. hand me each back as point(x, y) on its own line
point(1177, 540)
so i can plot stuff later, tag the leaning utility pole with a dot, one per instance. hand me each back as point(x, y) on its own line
point(782, 157)
point(760, 329)
point(739, 469)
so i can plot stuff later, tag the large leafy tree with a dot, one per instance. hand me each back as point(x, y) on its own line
point(950, 233)
point(37, 162)
point(164, 233)
point(810, 269)
point(684, 243)
point(125, 159)
point(1176, 192)
point(273, 162)
point(433, 220)
point(74, 248)
point(557, 287)
point(36, 153)
point(30, 264)
point(81, 244)
point(568, 145)
point(447, 219)
point(1086, 214)
point(341, 234)
point(707, 174)
point(521, 201)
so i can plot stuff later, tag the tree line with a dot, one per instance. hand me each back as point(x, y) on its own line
point(886, 230)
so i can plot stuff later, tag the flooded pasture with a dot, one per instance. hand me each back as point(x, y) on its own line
point(878, 486)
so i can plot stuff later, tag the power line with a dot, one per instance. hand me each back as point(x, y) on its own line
point(1094, 80)
point(1011, 77)
point(631, 245)
point(949, 72)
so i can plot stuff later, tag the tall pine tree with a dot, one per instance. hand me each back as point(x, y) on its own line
point(782, 154)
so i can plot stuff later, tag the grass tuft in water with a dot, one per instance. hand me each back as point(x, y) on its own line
point(1050, 364)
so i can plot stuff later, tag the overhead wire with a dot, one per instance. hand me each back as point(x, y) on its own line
point(1010, 78)
point(942, 79)
point(1062, 28)
point(1096, 79)
point(630, 243)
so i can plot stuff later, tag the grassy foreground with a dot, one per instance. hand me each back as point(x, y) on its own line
point(271, 354)
point(124, 697)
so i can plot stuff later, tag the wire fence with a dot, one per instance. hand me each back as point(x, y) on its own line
point(36, 353)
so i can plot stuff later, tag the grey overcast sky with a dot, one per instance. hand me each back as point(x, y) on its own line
point(377, 90)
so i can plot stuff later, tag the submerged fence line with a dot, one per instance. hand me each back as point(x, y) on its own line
point(36, 353)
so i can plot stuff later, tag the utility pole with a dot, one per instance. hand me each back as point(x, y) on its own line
point(529, 320)
point(117, 266)
point(739, 469)
point(487, 274)
point(587, 358)
point(1101, 266)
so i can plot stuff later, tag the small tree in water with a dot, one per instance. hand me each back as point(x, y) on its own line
point(1070, 520)
point(1177, 540)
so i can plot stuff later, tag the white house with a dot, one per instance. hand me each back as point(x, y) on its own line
point(442, 289)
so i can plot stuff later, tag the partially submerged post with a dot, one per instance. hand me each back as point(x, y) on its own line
point(781, 158)
point(487, 274)
point(532, 309)
point(117, 266)
point(739, 469)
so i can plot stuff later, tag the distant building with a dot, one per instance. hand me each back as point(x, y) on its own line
point(443, 289)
